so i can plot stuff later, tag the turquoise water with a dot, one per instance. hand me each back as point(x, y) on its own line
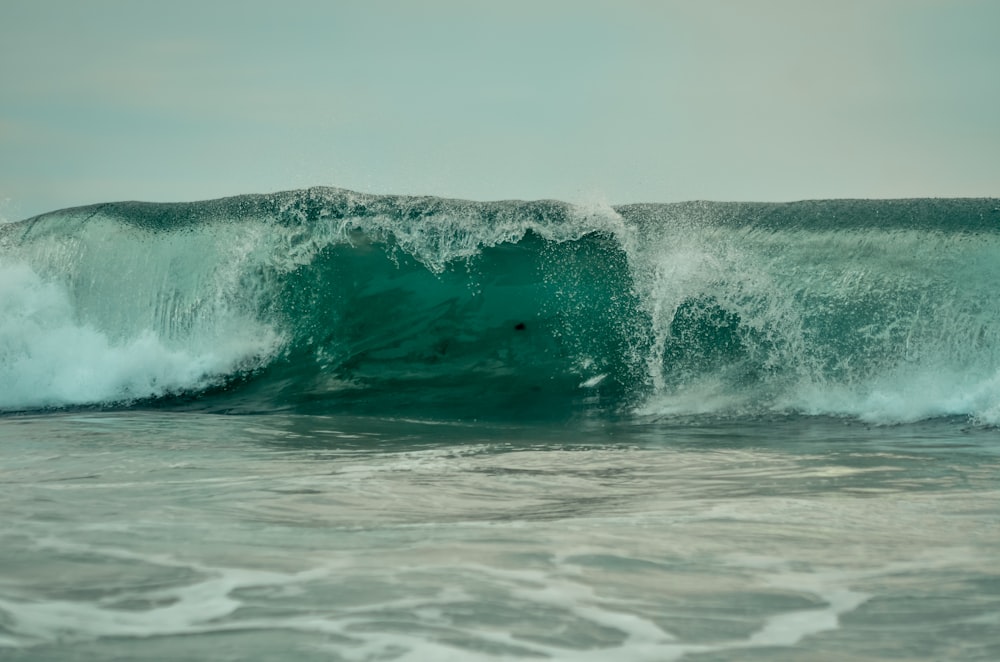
point(326, 301)
point(327, 425)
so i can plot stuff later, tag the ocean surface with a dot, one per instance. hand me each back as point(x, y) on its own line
point(325, 425)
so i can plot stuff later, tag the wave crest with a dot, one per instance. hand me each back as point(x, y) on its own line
point(326, 300)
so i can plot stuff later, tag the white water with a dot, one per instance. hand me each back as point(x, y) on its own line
point(50, 358)
point(175, 536)
point(886, 326)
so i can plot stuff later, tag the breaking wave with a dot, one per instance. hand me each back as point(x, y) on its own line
point(326, 301)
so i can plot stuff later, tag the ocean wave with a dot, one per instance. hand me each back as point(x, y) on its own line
point(326, 301)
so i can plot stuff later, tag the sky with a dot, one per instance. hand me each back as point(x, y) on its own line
point(613, 101)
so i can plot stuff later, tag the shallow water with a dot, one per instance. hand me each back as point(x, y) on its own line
point(146, 535)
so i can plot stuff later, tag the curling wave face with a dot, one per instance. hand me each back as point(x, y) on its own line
point(325, 301)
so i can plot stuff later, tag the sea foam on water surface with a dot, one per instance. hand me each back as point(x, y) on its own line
point(49, 358)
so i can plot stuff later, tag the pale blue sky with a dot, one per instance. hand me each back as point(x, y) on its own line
point(621, 101)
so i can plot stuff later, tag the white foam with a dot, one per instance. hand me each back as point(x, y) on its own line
point(885, 326)
point(905, 396)
point(436, 619)
point(593, 381)
point(897, 397)
point(49, 358)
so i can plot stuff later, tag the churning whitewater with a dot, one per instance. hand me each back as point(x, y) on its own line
point(325, 301)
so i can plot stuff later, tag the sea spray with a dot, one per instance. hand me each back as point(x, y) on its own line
point(326, 301)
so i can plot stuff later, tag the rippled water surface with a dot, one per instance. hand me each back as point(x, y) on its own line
point(154, 536)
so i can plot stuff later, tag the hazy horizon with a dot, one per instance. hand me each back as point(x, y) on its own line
point(621, 102)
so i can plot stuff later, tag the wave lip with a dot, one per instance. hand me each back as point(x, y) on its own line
point(326, 300)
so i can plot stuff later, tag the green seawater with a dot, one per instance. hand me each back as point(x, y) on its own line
point(330, 302)
point(326, 425)
point(152, 535)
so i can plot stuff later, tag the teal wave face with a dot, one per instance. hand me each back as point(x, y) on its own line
point(326, 301)
point(515, 329)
